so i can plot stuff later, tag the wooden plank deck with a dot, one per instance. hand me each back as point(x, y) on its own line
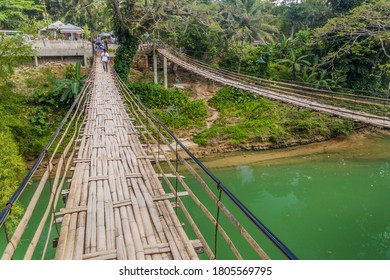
point(117, 208)
point(300, 101)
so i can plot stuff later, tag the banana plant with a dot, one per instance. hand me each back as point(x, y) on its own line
point(70, 86)
point(77, 79)
point(294, 62)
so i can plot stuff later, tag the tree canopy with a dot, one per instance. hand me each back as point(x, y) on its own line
point(357, 45)
point(16, 13)
point(13, 50)
point(342, 40)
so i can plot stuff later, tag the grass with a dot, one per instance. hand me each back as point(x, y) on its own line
point(172, 106)
point(245, 118)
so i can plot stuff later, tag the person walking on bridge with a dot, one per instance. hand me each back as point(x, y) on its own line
point(105, 59)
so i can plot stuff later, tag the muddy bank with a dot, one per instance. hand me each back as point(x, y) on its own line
point(358, 145)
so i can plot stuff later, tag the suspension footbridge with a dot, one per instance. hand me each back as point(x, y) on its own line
point(119, 172)
point(361, 108)
point(123, 192)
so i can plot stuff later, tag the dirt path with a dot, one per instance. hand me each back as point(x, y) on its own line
point(203, 89)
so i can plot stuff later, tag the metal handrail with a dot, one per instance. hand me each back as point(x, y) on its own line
point(272, 237)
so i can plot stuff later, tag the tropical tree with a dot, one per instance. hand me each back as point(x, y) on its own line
point(249, 20)
point(13, 51)
point(158, 21)
point(342, 6)
point(15, 13)
point(200, 40)
point(90, 14)
point(303, 15)
point(319, 79)
point(323, 80)
point(295, 63)
point(358, 46)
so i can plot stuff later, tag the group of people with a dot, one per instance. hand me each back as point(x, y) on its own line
point(101, 51)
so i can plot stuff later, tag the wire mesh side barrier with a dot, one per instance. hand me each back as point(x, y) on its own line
point(70, 122)
point(291, 88)
point(146, 119)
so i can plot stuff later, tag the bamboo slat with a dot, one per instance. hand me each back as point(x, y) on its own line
point(102, 255)
point(109, 216)
point(31, 248)
point(117, 207)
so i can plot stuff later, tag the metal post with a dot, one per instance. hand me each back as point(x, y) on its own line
point(155, 66)
point(165, 73)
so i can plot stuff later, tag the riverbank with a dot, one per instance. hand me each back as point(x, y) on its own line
point(358, 144)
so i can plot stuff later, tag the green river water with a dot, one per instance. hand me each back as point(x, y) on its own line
point(323, 201)
point(330, 204)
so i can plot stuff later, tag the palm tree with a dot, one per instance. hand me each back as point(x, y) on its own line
point(248, 19)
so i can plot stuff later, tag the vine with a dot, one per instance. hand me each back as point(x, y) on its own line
point(125, 53)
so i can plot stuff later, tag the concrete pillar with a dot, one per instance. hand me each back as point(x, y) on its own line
point(85, 59)
point(165, 73)
point(36, 61)
point(146, 62)
point(155, 67)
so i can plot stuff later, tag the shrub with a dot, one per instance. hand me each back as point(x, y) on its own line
point(172, 106)
point(11, 171)
point(245, 118)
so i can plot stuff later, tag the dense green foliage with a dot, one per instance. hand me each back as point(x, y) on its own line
point(125, 54)
point(32, 103)
point(33, 109)
point(356, 47)
point(11, 171)
point(328, 43)
point(172, 106)
point(200, 41)
point(245, 118)
point(18, 13)
point(9, 46)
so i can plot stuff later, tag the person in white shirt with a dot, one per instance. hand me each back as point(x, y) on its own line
point(105, 59)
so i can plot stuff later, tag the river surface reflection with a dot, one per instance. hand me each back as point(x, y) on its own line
point(332, 203)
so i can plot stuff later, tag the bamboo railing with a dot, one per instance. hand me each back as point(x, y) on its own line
point(366, 109)
point(72, 120)
point(127, 198)
point(156, 135)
